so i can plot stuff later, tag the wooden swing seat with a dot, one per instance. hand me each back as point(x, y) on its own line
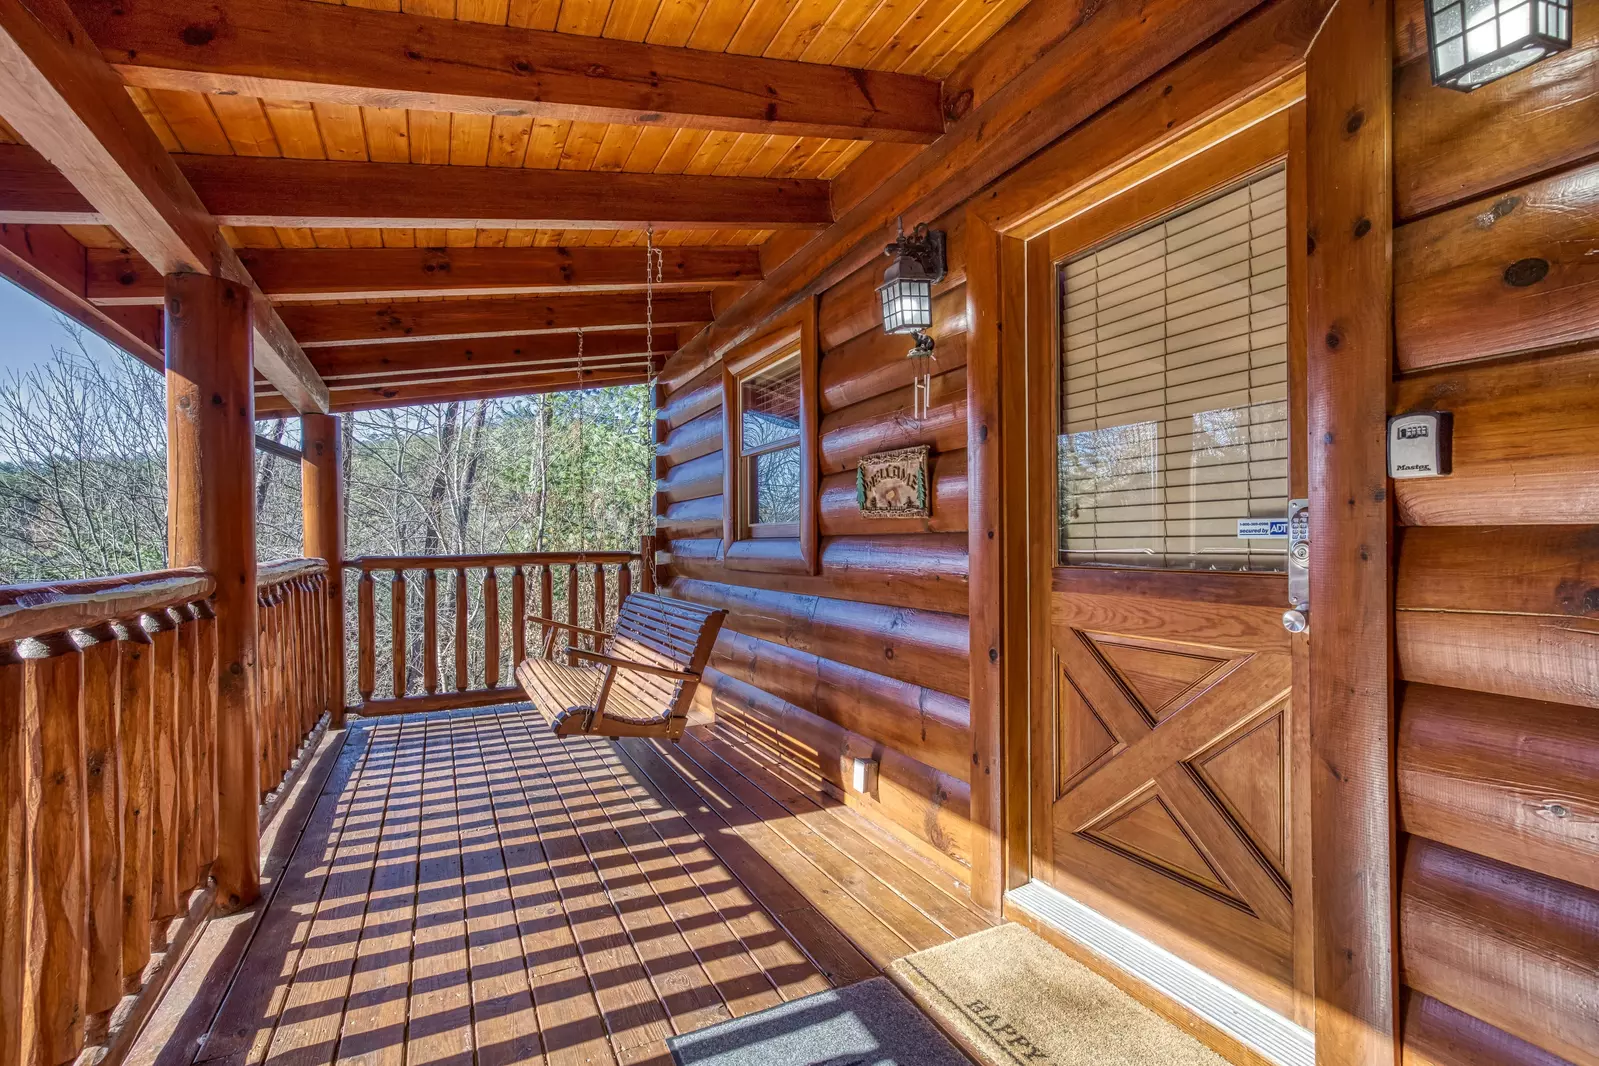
point(641, 685)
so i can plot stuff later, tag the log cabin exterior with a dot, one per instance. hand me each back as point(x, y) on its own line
point(1375, 836)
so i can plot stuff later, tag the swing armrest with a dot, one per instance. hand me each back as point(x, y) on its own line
point(568, 625)
point(634, 664)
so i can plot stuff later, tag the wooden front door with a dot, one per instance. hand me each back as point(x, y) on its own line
point(1165, 734)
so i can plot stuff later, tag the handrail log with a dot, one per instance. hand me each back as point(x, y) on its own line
point(286, 570)
point(456, 562)
point(41, 608)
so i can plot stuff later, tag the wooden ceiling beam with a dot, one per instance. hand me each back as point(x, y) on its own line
point(374, 397)
point(348, 363)
point(49, 263)
point(333, 324)
point(288, 49)
point(286, 275)
point(64, 99)
point(246, 191)
point(312, 192)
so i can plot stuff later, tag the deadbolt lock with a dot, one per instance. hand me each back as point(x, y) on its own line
point(1297, 619)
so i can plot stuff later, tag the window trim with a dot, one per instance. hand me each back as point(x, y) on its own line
point(789, 547)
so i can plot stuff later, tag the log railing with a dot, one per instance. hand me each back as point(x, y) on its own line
point(294, 683)
point(489, 598)
point(107, 793)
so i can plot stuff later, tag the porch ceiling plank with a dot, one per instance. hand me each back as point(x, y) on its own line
point(348, 55)
point(287, 275)
point(48, 262)
point(245, 191)
point(333, 324)
point(64, 99)
point(375, 397)
point(397, 361)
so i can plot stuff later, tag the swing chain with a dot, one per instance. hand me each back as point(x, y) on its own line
point(582, 449)
point(654, 274)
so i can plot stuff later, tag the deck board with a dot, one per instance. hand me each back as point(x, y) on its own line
point(471, 890)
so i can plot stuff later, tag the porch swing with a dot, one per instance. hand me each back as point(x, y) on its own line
point(642, 681)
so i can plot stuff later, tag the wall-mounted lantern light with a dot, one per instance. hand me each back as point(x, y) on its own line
point(907, 296)
point(1474, 42)
point(907, 289)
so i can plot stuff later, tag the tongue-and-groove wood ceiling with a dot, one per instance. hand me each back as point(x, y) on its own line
point(924, 38)
point(297, 121)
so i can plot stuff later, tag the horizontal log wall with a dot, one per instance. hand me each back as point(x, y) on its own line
point(1497, 595)
point(867, 658)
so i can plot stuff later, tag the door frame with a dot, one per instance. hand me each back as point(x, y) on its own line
point(1012, 537)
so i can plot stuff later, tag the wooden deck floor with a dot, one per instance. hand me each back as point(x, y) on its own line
point(468, 889)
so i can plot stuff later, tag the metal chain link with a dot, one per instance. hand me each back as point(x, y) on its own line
point(654, 274)
point(582, 449)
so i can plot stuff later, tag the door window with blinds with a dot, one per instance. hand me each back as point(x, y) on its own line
point(1174, 389)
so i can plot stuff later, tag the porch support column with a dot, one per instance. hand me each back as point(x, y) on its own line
point(322, 503)
point(211, 523)
point(1349, 326)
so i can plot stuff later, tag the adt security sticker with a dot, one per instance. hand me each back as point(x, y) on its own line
point(1256, 528)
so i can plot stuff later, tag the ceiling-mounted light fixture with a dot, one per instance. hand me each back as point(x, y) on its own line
point(1474, 42)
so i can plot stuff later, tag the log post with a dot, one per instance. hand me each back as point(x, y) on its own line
point(322, 510)
point(211, 523)
point(1349, 174)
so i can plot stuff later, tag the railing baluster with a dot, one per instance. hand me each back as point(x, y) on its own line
point(267, 655)
point(460, 629)
point(491, 629)
point(102, 694)
point(188, 726)
point(206, 822)
point(56, 697)
point(366, 668)
point(107, 782)
point(518, 617)
point(599, 604)
point(571, 612)
point(18, 764)
point(311, 653)
point(430, 632)
point(138, 794)
point(546, 606)
point(398, 634)
point(303, 675)
point(163, 748)
point(591, 601)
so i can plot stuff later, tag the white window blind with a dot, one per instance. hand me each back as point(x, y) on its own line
point(1174, 371)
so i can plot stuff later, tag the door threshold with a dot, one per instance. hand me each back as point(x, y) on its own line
point(1252, 1024)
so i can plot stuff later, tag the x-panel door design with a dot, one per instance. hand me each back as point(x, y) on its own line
point(1166, 746)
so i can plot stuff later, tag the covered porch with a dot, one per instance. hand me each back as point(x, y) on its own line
point(1181, 544)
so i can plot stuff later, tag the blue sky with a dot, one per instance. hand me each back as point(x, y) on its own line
point(29, 329)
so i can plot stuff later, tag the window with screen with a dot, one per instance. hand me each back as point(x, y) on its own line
point(1173, 442)
point(769, 447)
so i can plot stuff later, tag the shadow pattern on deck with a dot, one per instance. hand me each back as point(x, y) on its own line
point(469, 889)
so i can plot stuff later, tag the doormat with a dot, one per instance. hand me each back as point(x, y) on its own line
point(1014, 1000)
point(866, 1024)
